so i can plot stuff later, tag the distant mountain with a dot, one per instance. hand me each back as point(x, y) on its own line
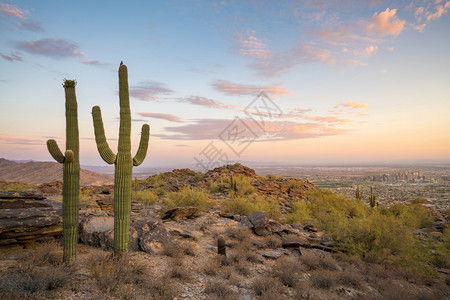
point(35, 172)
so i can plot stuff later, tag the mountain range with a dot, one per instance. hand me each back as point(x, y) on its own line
point(34, 172)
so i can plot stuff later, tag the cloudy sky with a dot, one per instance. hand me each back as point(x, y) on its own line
point(265, 81)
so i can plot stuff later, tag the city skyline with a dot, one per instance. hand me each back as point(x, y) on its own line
point(297, 82)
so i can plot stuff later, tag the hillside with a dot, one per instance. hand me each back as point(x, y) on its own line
point(43, 172)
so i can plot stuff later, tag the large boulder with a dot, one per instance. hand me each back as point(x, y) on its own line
point(262, 224)
point(27, 216)
point(147, 234)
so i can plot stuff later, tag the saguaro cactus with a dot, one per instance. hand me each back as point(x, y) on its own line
point(122, 161)
point(71, 172)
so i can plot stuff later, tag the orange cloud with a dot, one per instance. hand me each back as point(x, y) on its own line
point(21, 141)
point(386, 23)
point(353, 104)
point(202, 101)
point(234, 89)
point(368, 51)
point(328, 119)
point(11, 10)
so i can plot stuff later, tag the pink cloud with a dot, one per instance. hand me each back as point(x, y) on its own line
point(149, 90)
point(202, 101)
point(236, 89)
point(167, 117)
point(284, 61)
point(367, 52)
point(386, 23)
point(439, 11)
point(96, 63)
point(15, 56)
point(252, 46)
point(55, 48)
point(210, 129)
point(10, 10)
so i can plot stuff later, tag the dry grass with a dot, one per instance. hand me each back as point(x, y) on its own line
point(265, 285)
point(288, 270)
point(313, 261)
point(218, 289)
point(323, 279)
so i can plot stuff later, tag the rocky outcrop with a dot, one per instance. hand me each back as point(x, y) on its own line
point(146, 234)
point(237, 169)
point(27, 216)
point(180, 213)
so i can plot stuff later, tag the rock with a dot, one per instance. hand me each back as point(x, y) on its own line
point(244, 221)
point(26, 216)
point(154, 238)
point(273, 254)
point(51, 188)
point(97, 231)
point(105, 202)
point(294, 241)
point(184, 233)
point(327, 241)
point(310, 228)
point(262, 225)
point(180, 212)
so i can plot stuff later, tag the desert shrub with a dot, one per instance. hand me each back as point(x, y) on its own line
point(214, 187)
point(300, 213)
point(295, 184)
point(378, 235)
point(14, 186)
point(266, 284)
point(110, 272)
point(271, 177)
point(273, 242)
point(156, 181)
point(413, 216)
point(188, 196)
point(218, 289)
point(350, 278)
point(145, 197)
point(163, 287)
point(288, 271)
point(323, 279)
point(239, 233)
point(44, 254)
point(243, 186)
point(313, 261)
point(245, 205)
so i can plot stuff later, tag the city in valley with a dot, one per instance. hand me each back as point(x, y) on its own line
point(390, 184)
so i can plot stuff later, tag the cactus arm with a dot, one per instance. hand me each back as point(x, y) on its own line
point(143, 146)
point(100, 138)
point(53, 148)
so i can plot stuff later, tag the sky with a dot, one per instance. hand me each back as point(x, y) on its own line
point(289, 82)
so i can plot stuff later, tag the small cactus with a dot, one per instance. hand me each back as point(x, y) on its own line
point(123, 161)
point(372, 198)
point(71, 172)
point(358, 195)
point(221, 247)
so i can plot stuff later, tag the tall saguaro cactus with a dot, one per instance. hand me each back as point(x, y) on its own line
point(122, 161)
point(71, 172)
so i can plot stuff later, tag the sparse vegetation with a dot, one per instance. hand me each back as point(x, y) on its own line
point(245, 205)
point(188, 196)
point(145, 197)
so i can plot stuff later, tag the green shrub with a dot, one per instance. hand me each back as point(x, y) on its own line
point(156, 181)
point(14, 186)
point(214, 187)
point(245, 205)
point(379, 235)
point(188, 196)
point(243, 186)
point(145, 197)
